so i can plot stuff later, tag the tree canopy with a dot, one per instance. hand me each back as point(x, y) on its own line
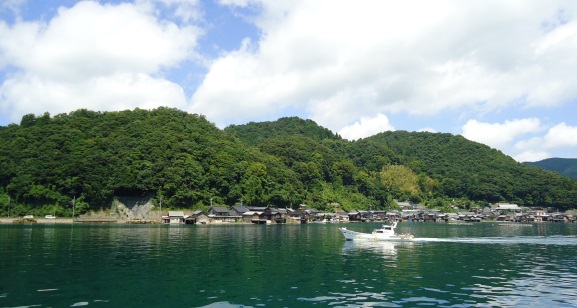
point(92, 157)
point(564, 166)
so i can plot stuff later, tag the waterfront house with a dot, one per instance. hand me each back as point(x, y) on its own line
point(295, 216)
point(379, 215)
point(355, 215)
point(176, 217)
point(222, 214)
point(200, 217)
point(467, 216)
point(430, 215)
point(218, 211)
point(276, 215)
point(258, 218)
point(558, 217)
point(342, 216)
point(247, 216)
point(394, 216)
point(507, 207)
point(451, 217)
point(239, 210)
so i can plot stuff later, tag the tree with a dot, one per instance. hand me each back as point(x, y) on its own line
point(401, 180)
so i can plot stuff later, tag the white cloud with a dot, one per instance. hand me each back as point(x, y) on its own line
point(103, 57)
point(558, 136)
point(499, 135)
point(561, 136)
point(532, 156)
point(118, 92)
point(366, 127)
point(342, 61)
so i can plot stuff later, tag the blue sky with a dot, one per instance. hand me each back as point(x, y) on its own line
point(499, 73)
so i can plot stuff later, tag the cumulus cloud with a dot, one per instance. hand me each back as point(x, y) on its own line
point(499, 135)
point(532, 156)
point(104, 57)
point(366, 127)
point(561, 136)
point(341, 61)
point(508, 137)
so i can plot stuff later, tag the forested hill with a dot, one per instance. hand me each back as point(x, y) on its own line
point(564, 166)
point(93, 157)
point(463, 168)
point(254, 133)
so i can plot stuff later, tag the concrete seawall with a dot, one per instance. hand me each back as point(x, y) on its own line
point(9, 220)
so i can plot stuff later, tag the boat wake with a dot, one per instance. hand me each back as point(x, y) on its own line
point(534, 240)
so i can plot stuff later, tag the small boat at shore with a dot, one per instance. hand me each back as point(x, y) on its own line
point(385, 233)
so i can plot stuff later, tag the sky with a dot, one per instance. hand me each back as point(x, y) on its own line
point(502, 73)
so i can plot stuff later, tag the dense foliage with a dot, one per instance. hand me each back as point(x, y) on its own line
point(93, 157)
point(564, 166)
point(465, 169)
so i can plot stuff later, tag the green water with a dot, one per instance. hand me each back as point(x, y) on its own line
point(286, 266)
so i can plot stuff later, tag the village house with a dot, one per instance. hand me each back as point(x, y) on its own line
point(267, 215)
point(175, 217)
point(221, 214)
point(200, 217)
point(507, 207)
point(356, 216)
point(239, 210)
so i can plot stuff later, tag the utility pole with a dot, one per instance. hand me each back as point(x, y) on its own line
point(8, 206)
point(160, 207)
point(210, 201)
point(73, 201)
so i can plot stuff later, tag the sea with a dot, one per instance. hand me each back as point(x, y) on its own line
point(484, 264)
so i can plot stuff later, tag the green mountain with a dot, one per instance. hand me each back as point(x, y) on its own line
point(255, 133)
point(564, 166)
point(94, 157)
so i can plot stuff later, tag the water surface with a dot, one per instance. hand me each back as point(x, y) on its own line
point(286, 266)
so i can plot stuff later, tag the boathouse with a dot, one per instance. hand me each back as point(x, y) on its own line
point(176, 217)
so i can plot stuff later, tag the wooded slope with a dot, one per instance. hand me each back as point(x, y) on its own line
point(93, 157)
point(564, 166)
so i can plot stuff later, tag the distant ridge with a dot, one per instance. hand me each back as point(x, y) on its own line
point(564, 166)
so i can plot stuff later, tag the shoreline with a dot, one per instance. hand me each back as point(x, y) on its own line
point(10, 220)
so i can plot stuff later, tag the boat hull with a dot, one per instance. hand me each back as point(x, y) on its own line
point(356, 236)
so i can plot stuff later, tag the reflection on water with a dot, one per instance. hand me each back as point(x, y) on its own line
point(387, 250)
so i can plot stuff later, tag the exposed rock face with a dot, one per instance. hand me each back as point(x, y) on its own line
point(138, 211)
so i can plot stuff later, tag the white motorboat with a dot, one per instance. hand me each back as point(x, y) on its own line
point(385, 233)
